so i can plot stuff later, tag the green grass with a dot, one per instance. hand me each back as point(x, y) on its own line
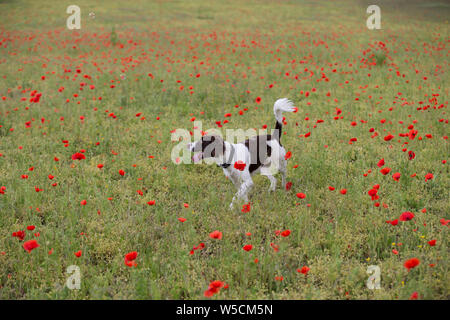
point(239, 48)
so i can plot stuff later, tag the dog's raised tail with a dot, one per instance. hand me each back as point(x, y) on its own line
point(280, 106)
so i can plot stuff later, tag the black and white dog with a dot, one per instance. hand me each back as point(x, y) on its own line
point(259, 154)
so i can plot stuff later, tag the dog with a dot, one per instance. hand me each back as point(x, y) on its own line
point(262, 154)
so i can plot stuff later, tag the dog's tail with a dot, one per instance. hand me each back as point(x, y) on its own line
point(280, 106)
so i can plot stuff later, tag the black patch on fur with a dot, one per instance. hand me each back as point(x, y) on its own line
point(211, 144)
point(277, 132)
point(227, 163)
point(259, 150)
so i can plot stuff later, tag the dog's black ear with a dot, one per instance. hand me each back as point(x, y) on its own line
point(213, 138)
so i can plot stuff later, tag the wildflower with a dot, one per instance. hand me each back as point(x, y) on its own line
point(411, 263)
point(30, 245)
point(129, 259)
point(216, 234)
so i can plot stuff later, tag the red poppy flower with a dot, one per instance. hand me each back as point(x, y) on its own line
point(303, 270)
point(247, 247)
point(216, 234)
point(213, 288)
point(286, 233)
point(78, 156)
point(414, 296)
point(396, 176)
point(429, 176)
point(30, 245)
point(301, 195)
point(239, 165)
point(385, 171)
point(199, 247)
point(129, 259)
point(19, 234)
point(216, 284)
point(411, 263)
point(78, 253)
point(432, 243)
point(412, 134)
point(406, 216)
point(274, 247)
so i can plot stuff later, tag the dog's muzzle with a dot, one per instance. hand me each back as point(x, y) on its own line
point(197, 157)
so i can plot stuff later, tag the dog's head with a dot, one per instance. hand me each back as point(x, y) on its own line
point(209, 146)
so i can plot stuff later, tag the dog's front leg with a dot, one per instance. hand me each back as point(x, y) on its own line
point(247, 184)
point(235, 181)
point(238, 187)
point(243, 190)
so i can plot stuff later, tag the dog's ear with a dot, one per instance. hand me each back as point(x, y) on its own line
point(213, 138)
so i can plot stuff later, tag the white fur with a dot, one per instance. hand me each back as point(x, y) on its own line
point(281, 105)
point(242, 180)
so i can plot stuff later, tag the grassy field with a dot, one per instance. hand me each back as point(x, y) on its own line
point(115, 89)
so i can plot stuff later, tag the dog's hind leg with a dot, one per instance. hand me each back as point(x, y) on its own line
point(283, 165)
point(273, 182)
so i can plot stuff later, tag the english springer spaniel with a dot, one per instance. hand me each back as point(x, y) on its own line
point(259, 154)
